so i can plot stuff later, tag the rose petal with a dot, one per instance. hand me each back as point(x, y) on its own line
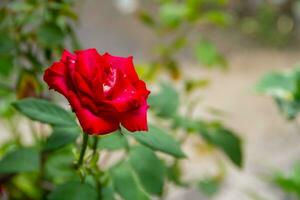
point(91, 123)
point(82, 86)
point(88, 61)
point(67, 56)
point(136, 120)
point(123, 64)
point(56, 79)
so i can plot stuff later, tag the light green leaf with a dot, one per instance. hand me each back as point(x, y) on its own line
point(281, 85)
point(208, 55)
point(158, 140)
point(172, 14)
point(44, 111)
point(150, 170)
point(113, 141)
point(217, 17)
point(166, 102)
point(126, 184)
point(20, 160)
point(74, 191)
point(209, 186)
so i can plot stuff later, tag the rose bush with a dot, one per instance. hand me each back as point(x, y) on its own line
point(103, 90)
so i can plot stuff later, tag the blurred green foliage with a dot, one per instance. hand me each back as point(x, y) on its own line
point(33, 34)
point(289, 182)
point(285, 89)
point(174, 23)
point(269, 22)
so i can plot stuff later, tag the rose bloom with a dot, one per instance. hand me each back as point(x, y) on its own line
point(103, 90)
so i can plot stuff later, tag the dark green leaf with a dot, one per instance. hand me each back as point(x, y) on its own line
point(113, 141)
point(50, 35)
point(158, 140)
point(166, 102)
point(146, 18)
point(7, 44)
point(150, 170)
point(74, 191)
point(6, 64)
point(44, 111)
point(61, 136)
point(59, 166)
point(126, 184)
point(20, 160)
point(224, 139)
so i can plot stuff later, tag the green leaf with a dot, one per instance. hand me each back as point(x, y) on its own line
point(208, 55)
point(288, 108)
point(44, 111)
point(209, 186)
point(172, 14)
point(281, 85)
point(285, 89)
point(289, 182)
point(224, 139)
point(217, 17)
point(146, 18)
point(74, 191)
point(150, 170)
point(126, 184)
point(6, 64)
point(166, 102)
point(108, 192)
point(59, 166)
point(26, 183)
point(20, 160)
point(7, 44)
point(157, 139)
point(50, 35)
point(113, 141)
point(61, 136)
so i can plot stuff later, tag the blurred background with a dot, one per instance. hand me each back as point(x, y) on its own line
point(254, 37)
point(223, 48)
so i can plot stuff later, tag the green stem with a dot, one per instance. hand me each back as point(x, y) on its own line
point(83, 148)
point(95, 145)
point(95, 171)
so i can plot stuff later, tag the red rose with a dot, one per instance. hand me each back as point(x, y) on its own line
point(103, 90)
